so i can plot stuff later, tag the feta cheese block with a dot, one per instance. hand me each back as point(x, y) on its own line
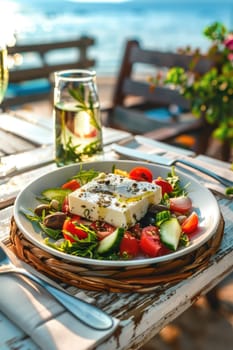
point(114, 199)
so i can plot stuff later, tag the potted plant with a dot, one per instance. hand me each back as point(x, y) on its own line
point(210, 94)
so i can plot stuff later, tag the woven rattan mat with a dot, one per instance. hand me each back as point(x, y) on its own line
point(121, 279)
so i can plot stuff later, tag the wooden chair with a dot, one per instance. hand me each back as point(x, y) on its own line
point(32, 82)
point(133, 99)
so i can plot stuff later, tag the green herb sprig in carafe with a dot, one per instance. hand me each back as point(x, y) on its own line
point(78, 126)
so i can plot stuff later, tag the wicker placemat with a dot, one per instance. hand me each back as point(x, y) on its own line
point(121, 279)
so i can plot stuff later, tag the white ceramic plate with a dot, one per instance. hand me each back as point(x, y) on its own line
point(203, 201)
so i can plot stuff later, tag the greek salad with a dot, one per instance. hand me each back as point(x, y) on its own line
point(167, 225)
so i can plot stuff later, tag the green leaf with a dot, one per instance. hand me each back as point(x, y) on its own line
point(79, 95)
point(162, 216)
point(216, 31)
point(229, 191)
point(52, 233)
point(210, 94)
point(174, 180)
point(85, 176)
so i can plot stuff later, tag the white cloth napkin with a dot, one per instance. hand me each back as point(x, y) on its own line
point(40, 316)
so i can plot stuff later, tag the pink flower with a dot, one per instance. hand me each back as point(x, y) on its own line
point(229, 42)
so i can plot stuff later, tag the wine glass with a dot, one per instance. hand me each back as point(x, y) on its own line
point(4, 75)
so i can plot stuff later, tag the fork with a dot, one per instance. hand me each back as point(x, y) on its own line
point(85, 312)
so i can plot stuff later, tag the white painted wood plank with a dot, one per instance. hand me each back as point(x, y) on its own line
point(142, 316)
point(216, 162)
point(42, 134)
point(31, 132)
point(5, 217)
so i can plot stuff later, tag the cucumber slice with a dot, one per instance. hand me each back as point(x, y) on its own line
point(56, 193)
point(170, 232)
point(112, 242)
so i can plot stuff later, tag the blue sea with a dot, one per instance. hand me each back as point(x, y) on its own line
point(160, 24)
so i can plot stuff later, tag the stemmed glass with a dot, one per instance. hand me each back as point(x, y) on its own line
point(4, 75)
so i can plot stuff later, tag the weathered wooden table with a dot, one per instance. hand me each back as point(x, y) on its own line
point(141, 315)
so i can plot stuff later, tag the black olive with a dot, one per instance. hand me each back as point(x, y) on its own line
point(148, 219)
point(155, 208)
point(55, 220)
point(42, 208)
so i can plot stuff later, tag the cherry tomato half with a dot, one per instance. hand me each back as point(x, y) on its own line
point(150, 243)
point(70, 226)
point(164, 184)
point(72, 185)
point(129, 245)
point(180, 204)
point(141, 174)
point(190, 224)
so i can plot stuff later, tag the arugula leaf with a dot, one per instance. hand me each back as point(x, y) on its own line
point(174, 180)
point(81, 248)
point(30, 215)
point(85, 176)
point(52, 233)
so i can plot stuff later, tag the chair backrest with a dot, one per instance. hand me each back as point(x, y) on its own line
point(32, 81)
point(130, 84)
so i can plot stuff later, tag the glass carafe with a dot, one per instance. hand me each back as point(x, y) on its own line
point(78, 132)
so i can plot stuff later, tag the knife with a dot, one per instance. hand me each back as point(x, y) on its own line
point(134, 153)
point(154, 158)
